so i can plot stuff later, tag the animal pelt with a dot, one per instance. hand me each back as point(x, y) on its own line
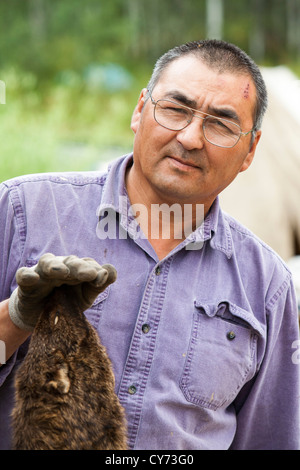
point(65, 397)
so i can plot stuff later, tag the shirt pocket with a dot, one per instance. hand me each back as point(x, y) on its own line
point(221, 354)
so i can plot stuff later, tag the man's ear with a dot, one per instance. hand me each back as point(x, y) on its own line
point(249, 158)
point(136, 116)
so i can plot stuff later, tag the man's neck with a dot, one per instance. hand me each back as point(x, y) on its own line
point(165, 223)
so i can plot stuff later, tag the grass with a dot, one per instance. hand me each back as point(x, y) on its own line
point(62, 127)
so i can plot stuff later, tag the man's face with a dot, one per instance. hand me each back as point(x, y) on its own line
point(181, 166)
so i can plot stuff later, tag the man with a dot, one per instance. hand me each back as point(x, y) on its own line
point(201, 324)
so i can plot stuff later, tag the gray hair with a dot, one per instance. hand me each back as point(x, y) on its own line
point(224, 57)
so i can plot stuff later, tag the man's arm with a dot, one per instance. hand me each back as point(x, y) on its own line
point(10, 334)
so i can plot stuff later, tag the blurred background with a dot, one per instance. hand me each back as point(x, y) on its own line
point(73, 71)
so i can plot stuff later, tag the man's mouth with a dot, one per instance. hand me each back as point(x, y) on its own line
point(182, 164)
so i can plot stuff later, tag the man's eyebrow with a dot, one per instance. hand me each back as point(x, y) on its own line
point(176, 95)
point(226, 113)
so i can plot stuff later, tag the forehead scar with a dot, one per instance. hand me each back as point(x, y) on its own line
point(246, 91)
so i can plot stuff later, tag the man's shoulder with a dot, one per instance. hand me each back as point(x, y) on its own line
point(249, 245)
point(73, 178)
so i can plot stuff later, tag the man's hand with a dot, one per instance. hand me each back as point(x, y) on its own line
point(36, 283)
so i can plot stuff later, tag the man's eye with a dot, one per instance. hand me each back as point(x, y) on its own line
point(222, 126)
point(217, 123)
point(175, 110)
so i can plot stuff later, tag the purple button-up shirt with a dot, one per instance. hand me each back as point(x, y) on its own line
point(204, 343)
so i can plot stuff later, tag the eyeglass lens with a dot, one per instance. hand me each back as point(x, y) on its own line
point(216, 130)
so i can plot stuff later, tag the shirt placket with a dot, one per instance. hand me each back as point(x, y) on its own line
point(140, 356)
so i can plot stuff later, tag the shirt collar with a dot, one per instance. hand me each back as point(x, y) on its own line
point(215, 227)
point(114, 186)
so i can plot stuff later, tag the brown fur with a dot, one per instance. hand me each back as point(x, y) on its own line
point(65, 395)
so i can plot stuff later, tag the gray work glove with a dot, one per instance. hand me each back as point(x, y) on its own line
point(36, 283)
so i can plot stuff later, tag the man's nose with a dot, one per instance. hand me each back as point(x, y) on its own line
point(191, 137)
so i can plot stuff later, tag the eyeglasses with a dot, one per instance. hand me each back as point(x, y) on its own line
point(218, 131)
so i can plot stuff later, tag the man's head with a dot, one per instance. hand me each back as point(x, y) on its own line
point(215, 87)
point(220, 56)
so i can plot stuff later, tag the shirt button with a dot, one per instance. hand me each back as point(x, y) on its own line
point(231, 335)
point(145, 328)
point(132, 390)
point(157, 271)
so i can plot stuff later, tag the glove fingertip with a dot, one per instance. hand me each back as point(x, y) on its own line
point(112, 273)
point(26, 277)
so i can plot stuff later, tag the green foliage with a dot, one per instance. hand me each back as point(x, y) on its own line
point(48, 36)
point(62, 127)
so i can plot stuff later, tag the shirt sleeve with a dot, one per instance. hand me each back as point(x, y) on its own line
point(10, 248)
point(268, 407)
point(11, 214)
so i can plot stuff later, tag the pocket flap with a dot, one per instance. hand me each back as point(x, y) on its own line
point(231, 312)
